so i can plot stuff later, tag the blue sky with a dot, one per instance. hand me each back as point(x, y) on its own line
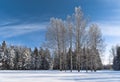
point(24, 22)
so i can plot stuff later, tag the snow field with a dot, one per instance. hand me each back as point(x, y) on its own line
point(57, 76)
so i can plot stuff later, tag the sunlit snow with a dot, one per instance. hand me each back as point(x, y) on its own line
point(57, 76)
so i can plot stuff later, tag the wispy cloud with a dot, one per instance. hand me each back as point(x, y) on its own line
point(110, 28)
point(15, 30)
point(112, 2)
point(111, 33)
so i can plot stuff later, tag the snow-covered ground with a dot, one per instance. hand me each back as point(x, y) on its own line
point(57, 76)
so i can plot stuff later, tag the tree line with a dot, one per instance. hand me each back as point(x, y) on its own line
point(71, 44)
point(23, 58)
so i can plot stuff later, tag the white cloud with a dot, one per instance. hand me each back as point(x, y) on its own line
point(110, 28)
point(14, 30)
point(111, 33)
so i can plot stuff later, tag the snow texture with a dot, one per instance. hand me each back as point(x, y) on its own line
point(57, 76)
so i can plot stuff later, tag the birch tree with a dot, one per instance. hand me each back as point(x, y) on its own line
point(70, 39)
point(54, 36)
point(80, 25)
point(96, 45)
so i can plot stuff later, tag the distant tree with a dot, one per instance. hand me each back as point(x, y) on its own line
point(116, 60)
point(16, 59)
point(42, 55)
point(36, 58)
point(11, 53)
point(4, 46)
point(26, 58)
point(47, 58)
point(56, 63)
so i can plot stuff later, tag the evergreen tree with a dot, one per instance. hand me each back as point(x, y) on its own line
point(35, 58)
point(116, 60)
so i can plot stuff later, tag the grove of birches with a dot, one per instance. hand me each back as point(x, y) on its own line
point(71, 44)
